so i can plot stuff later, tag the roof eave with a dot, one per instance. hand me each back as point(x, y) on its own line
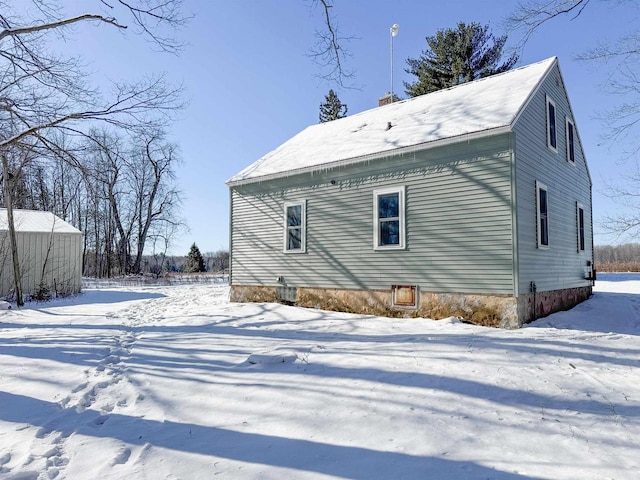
point(374, 156)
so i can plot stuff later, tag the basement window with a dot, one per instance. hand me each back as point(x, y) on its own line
point(295, 235)
point(405, 296)
point(388, 218)
point(542, 201)
point(552, 141)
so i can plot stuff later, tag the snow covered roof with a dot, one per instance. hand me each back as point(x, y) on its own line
point(35, 221)
point(477, 108)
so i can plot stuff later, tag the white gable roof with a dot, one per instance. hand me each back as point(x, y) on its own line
point(476, 108)
point(35, 221)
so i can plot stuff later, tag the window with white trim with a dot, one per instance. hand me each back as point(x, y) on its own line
point(552, 140)
point(542, 200)
point(389, 218)
point(295, 227)
point(571, 132)
point(580, 226)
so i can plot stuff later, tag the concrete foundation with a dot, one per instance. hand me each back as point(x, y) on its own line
point(488, 310)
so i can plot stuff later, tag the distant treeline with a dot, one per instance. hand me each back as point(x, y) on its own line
point(160, 264)
point(618, 258)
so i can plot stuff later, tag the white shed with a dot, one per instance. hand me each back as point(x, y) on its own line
point(50, 253)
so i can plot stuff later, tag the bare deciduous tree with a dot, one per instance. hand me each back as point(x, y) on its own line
point(107, 170)
point(133, 177)
point(157, 199)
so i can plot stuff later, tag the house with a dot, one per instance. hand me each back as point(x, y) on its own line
point(474, 201)
point(49, 252)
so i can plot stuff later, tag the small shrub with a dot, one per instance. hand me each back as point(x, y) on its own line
point(42, 294)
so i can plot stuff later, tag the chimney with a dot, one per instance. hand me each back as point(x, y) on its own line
point(385, 100)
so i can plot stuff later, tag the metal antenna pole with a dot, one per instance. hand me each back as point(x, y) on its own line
point(393, 31)
point(391, 52)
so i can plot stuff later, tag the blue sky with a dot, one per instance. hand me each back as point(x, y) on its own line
point(251, 84)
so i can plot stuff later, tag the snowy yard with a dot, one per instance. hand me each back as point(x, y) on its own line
point(175, 382)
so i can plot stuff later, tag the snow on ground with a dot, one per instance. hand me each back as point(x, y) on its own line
point(175, 382)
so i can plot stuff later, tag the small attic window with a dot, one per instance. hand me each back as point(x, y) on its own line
point(571, 152)
point(552, 141)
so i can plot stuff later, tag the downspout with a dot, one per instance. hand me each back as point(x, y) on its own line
point(593, 250)
point(514, 217)
point(230, 234)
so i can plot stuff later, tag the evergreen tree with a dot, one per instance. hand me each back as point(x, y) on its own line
point(456, 56)
point(332, 108)
point(195, 262)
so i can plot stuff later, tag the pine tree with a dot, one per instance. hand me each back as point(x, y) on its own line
point(457, 56)
point(332, 108)
point(195, 262)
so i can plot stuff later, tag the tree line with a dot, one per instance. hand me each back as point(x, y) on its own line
point(194, 262)
point(618, 258)
point(121, 194)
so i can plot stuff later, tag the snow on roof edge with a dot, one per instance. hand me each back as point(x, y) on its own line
point(373, 156)
point(36, 221)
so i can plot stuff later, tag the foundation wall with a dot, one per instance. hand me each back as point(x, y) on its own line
point(487, 310)
point(540, 304)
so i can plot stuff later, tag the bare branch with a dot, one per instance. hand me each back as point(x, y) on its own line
point(328, 52)
point(10, 32)
point(152, 15)
point(530, 15)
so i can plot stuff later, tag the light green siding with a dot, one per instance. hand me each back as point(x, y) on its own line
point(561, 265)
point(458, 222)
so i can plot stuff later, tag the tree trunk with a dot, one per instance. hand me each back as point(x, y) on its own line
point(12, 231)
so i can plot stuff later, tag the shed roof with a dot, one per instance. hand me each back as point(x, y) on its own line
point(36, 221)
point(476, 108)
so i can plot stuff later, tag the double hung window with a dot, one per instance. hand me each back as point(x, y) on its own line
point(295, 227)
point(389, 218)
point(580, 225)
point(552, 140)
point(542, 201)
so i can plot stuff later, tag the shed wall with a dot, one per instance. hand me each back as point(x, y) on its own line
point(459, 224)
point(54, 259)
point(562, 265)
